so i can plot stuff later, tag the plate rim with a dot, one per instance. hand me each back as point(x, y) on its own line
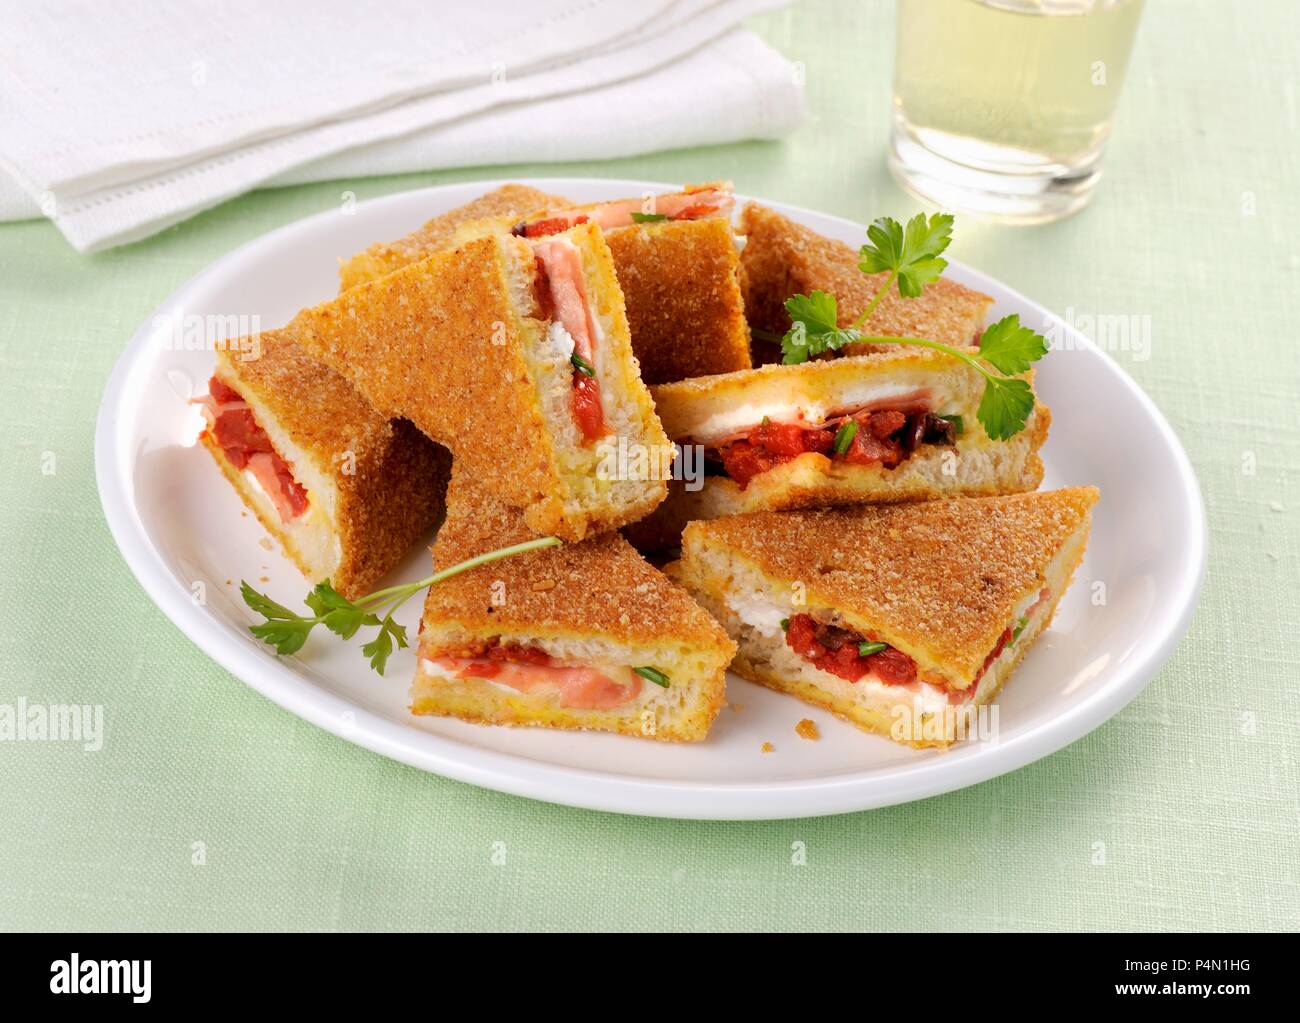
point(584, 787)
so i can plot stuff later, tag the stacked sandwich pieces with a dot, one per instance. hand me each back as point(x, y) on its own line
point(854, 537)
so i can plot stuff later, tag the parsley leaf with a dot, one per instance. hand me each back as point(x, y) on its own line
point(1011, 348)
point(910, 254)
point(287, 630)
point(336, 612)
point(263, 604)
point(814, 328)
point(324, 598)
point(286, 636)
point(1005, 406)
point(381, 647)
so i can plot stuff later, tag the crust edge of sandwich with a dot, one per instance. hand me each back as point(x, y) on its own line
point(812, 481)
point(480, 704)
point(273, 526)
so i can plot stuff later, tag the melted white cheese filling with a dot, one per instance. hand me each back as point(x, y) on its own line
point(743, 417)
point(765, 617)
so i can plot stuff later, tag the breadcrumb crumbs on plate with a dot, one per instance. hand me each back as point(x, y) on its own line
point(767, 747)
point(737, 707)
point(807, 729)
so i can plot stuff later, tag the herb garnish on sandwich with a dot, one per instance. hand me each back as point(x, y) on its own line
point(893, 425)
point(911, 259)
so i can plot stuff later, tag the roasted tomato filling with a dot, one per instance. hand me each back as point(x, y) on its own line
point(529, 669)
point(549, 225)
point(835, 650)
point(247, 446)
point(887, 437)
point(690, 204)
point(488, 655)
point(560, 294)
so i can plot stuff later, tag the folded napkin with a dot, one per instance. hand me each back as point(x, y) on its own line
point(122, 119)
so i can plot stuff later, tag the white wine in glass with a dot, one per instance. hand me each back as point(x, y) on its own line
point(1002, 108)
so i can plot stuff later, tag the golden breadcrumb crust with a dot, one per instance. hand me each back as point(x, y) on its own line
point(442, 342)
point(599, 589)
point(871, 720)
point(484, 704)
point(680, 281)
point(599, 586)
point(441, 233)
point(782, 258)
point(389, 478)
point(938, 579)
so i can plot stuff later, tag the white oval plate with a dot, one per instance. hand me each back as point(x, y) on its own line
point(183, 532)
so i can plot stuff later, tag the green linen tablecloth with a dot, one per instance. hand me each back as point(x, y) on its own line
point(1181, 812)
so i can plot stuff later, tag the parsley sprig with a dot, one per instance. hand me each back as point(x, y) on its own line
point(287, 630)
point(911, 257)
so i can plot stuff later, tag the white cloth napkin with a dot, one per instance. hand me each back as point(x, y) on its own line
point(119, 120)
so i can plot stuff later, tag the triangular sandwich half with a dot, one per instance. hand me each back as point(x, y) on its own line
point(343, 489)
point(782, 258)
point(582, 636)
point(515, 354)
point(890, 615)
point(679, 268)
point(778, 437)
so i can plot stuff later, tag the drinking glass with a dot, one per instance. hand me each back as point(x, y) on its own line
point(1002, 108)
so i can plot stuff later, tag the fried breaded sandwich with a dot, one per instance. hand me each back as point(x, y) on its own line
point(344, 490)
point(895, 425)
point(581, 636)
point(675, 256)
point(893, 617)
point(448, 231)
point(515, 354)
point(781, 258)
point(677, 262)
